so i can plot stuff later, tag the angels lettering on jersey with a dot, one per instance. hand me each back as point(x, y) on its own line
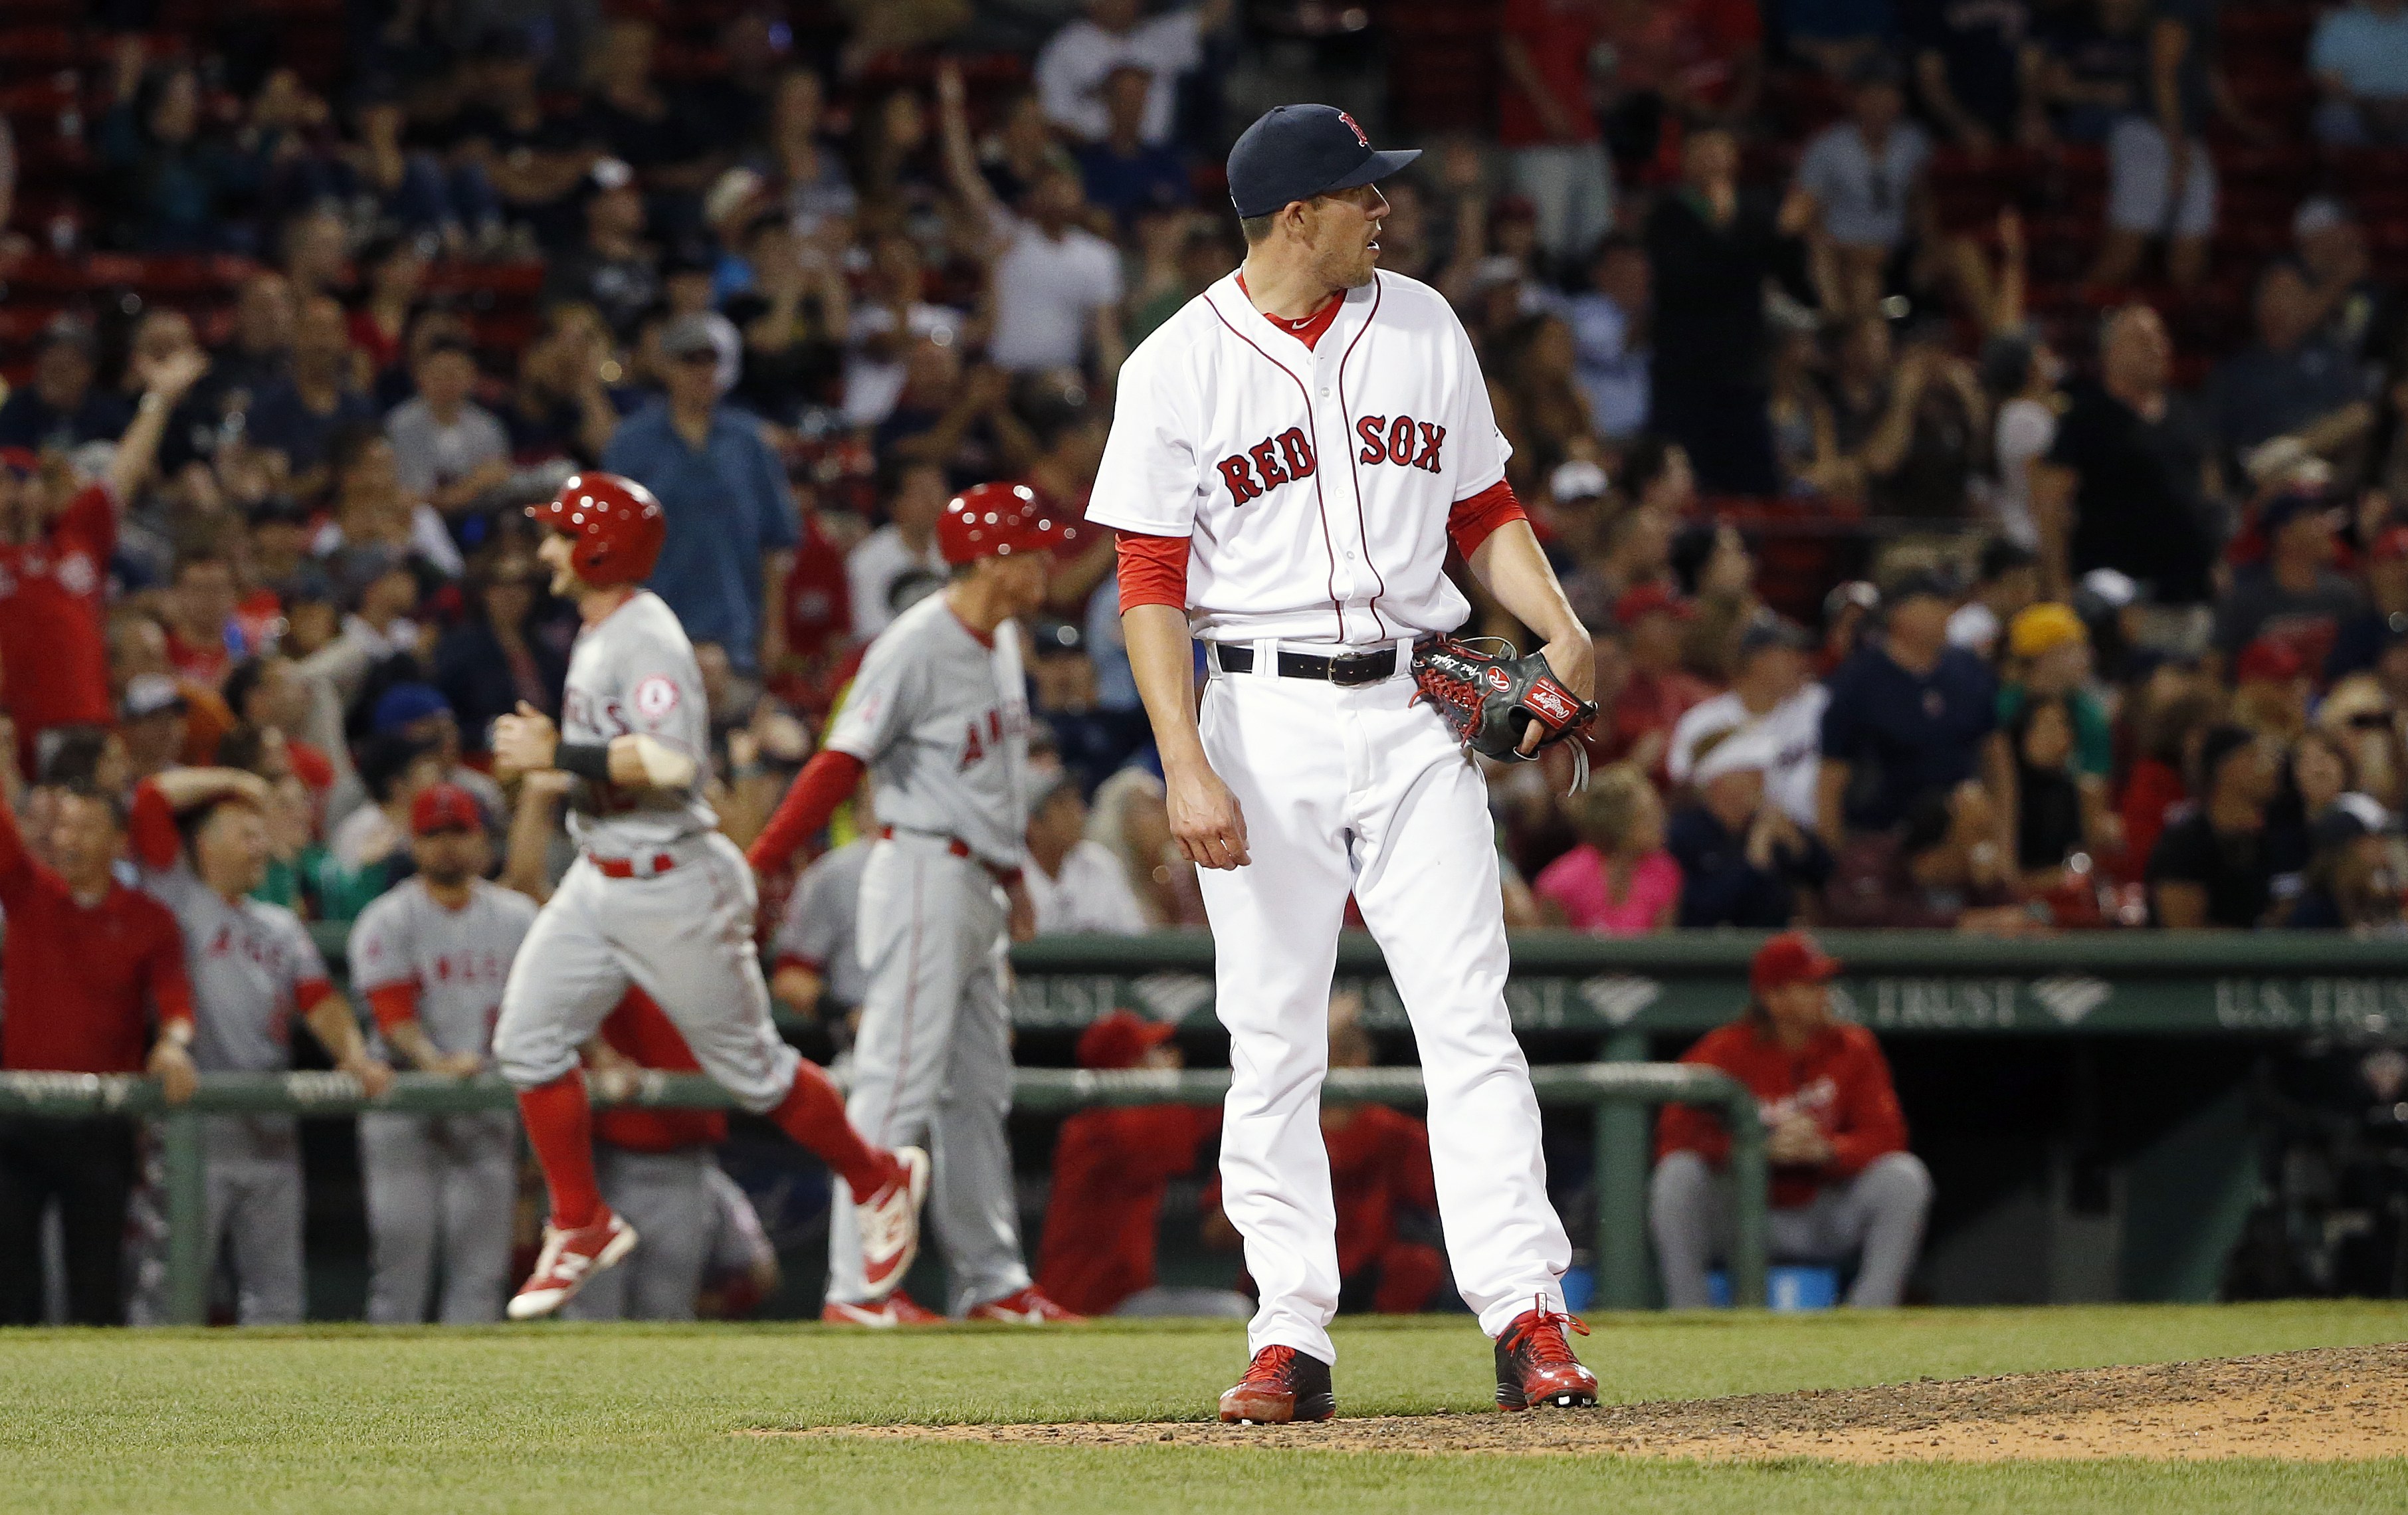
point(985, 734)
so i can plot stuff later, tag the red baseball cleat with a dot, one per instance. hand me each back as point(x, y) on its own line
point(569, 1259)
point(897, 1308)
point(1281, 1385)
point(1535, 1365)
point(889, 1222)
point(1024, 1307)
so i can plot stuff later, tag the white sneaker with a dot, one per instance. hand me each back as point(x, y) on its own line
point(569, 1259)
point(889, 1222)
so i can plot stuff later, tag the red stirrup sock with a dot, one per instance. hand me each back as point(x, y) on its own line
point(560, 1127)
point(813, 1114)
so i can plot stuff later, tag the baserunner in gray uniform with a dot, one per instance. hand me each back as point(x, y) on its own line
point(254, 967)
point(430, 955)
point(656, 899)
point(938, 716)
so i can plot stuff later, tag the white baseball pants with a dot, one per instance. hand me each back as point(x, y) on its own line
point(685, 935)
point(438, 1186)
point(932, 1062)
point(1363, 790)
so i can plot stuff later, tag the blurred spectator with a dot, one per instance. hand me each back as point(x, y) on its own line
point(898, 562)
point(1610, 347)
point(2048, 657)
point(1111, 1167)
point(1971, 62)
point(204, 638)
point(268, 692)
point(1547, 124)
point(260, 352)
point(2349, 884)
point(2020, 376)
point(2272, 685)
point(1634, 546)
point(1093, 740)
point(1619, 882)
point(732, 528)
point(1909, 424)
point(561, 405)
point(63, 407)
point(1743, 859)
point(1838, 35)
point(1844, 1187)
point(1659, 690)
point(125, 1010)
point(1910, 716)
point(1548, 415)
point(2006, 578)
point(297, 416)
point(2292, 383)
point(1053, 287)
point(2294, 596)
point(2126, 484)
point(392, 270)
point(533, 154)
point(2357, 310)
point(502, 654)
point(2058, 809)
point(56, 537)
point(448, 449)
point(795, 319)
point(893, 314)
point(1772, 691)
point(1944, 870)
point(635, 120)
point(373, 516)
point(2358, 57)
point(1129, 818)
point(803, 173)
point(1075, 884)
point(1699, 63)
point(1709, 250)
point(171, 181)
point(612, 268)
point(2360, 718)
point(1864, 178)
point(2212, 866)
point(962, 422)
point(2171, 730)
point(1074, 67)
point(1124, 176)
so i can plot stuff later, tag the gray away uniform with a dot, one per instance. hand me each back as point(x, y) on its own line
point(941, 721)
point(254, 968)
point(440, 1184)
point(822, 928)
point(657, 896)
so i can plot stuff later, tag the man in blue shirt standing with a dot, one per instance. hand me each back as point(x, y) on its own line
point(732, 526)
point(1910, 715)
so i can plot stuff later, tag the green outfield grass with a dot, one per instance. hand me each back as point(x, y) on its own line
point(616, 1420)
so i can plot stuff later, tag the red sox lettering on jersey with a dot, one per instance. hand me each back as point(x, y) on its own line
point(1321, 478)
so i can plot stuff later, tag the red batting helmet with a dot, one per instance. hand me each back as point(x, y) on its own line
point(616, 522)
point(995, 521)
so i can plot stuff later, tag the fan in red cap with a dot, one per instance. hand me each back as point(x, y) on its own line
point(995, 520)
point(615, 527)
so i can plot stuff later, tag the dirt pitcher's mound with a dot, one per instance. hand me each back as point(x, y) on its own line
point(2329, 1406)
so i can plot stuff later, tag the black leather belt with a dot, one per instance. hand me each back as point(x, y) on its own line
point(1347, 670)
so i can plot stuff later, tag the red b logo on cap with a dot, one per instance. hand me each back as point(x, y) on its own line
point(1356, 130)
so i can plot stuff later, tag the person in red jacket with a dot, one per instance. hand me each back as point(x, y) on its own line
point(92, 966)
point(1111, 1167)
point(1843, 1184)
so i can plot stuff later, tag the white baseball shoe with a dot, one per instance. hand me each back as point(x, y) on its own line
point(568, 1260)
point(897, 1308)
point(889, 1222)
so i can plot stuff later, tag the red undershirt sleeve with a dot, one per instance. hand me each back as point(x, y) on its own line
point(151, 827)
point(1153, 570)
point(1473, 519)
point(818, 790)
point(309, 993)
point(171, 989)
point(393, 1004)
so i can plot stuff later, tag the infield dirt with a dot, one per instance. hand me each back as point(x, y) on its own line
point(2333, 1405)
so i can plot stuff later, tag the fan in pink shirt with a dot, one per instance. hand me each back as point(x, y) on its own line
point(1619, 882)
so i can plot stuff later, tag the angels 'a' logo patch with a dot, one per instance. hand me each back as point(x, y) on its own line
point(656, 696)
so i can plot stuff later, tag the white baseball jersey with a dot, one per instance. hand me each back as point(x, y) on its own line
point(253, 967)
point(1315, 481)
point(820, 926)
point(635, 674)
point(940, 716)
point(456, 960)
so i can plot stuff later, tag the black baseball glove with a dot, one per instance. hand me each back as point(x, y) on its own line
point(1491, 699)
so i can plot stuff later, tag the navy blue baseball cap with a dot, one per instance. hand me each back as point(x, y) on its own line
point(1294, 152)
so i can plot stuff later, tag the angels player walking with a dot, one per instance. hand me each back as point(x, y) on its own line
point(938, 716)
point(1291, 456)
point(657, 898)
point(430, 955)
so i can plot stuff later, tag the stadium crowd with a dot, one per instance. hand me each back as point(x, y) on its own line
point(1972, 433)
